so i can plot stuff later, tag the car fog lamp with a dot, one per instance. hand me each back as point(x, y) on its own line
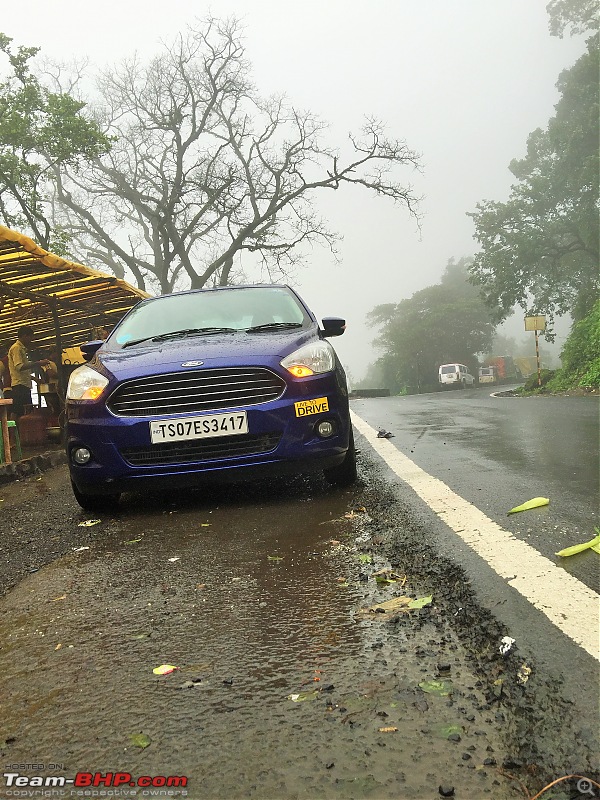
point(81, 455)
point(325, 429)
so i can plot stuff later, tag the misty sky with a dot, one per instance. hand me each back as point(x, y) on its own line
point(462, 81)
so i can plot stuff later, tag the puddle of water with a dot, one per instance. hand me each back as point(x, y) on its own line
point(253, 612)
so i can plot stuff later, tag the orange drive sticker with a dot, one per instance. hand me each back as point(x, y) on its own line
point(316, 406)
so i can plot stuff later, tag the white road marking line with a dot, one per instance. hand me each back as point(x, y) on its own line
point(567, 602)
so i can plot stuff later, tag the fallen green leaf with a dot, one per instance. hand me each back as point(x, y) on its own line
point(421, 601)
point(140, 740)
point(133, 541)
point(164, 669)
point(302, 697)
point(365, 558)
point(392, 605)
point(593, 544)
point(448, 730)
point(89, 522)
point(535, 503)
point(439, 688)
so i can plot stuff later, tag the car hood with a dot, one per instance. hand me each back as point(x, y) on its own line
point(231, 349)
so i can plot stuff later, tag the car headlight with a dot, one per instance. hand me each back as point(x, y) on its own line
point(310, 359)
point(86, 384)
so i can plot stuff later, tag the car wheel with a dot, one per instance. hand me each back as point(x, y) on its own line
point(95, 502)
point(344, 474)
point(463, 384)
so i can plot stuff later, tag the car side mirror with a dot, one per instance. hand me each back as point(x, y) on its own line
point(333, 326)
point(89, 349)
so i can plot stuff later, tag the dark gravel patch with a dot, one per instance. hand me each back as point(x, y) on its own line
point(40, 521)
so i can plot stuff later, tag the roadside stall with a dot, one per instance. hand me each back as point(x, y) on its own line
point(66, 304)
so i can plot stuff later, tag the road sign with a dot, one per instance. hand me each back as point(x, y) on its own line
point(535, 323)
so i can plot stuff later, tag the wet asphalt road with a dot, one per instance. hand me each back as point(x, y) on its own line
point(285, 687)
point(498, 452)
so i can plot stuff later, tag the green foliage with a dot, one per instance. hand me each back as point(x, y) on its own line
point(581, 354)
point(38, 129)
point(532, 385)
point(577, 15)
point(540, 248)
point(445, 323)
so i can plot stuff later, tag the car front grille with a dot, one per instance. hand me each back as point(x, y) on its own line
point(203, 450)
point(196, 390)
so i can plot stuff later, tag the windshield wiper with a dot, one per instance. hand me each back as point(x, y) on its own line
point(274, 326)
point(180, 334)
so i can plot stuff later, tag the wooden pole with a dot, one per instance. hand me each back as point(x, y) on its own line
point(4, 406)
point(537, 355)
point(61, 373)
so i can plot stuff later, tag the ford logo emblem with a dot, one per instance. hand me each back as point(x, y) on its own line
point(192, 363)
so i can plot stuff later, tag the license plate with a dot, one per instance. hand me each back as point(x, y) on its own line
point(207, 427)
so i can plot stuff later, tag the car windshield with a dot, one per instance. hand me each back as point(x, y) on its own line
point(264, 309)
point(449, 369)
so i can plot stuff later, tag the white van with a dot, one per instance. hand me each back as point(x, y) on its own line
point(455, 375)
point(488, 375)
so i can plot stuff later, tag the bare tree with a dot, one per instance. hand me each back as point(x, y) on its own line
point(202, 170)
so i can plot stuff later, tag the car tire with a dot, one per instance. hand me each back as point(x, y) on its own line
point(344, 474)
point(95, 502)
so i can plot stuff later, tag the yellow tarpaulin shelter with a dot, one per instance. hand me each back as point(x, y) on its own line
point(62, 301)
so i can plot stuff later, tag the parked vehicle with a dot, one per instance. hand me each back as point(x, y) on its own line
point(525, 366)
point(218, 384)
point(505, 367)
point(455, 375)
point(488, 375)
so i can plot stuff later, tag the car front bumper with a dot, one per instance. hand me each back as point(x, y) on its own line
point(296, 446)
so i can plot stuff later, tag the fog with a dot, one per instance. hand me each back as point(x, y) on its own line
point(463, 82)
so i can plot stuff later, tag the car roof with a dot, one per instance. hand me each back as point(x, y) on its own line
point(226, 289)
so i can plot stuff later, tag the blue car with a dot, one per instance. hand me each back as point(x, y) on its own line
point(219, 384)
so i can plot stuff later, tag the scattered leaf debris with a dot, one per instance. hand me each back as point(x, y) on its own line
point(537, 502)
point(438, 688)
point(140, 740)
point(593, 544)
point(164, 669)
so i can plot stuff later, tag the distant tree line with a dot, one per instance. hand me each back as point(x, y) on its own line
point(445, 323)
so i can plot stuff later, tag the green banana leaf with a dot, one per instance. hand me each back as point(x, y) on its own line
point(535, 503)
point(593, 544)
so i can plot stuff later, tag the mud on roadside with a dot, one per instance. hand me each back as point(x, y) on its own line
point(540, 732)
